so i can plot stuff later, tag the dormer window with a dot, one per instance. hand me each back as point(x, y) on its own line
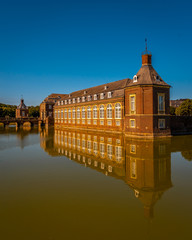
point(69, 101)
point(83, 99)
point(59, 103)
point(85, 92)
point(73, 100)
point(69, 95)
point(95, 96)
point(158, 78)
point(65, 101)
point(89, 98)
point(78, 99)
point(109, 94)
point(105, 87)
point(101, 95)
point(135, 78)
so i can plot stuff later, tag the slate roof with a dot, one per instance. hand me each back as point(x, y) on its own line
point(148, 75)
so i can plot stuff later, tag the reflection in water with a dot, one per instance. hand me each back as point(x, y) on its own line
point(46, 196)
point(144, 165)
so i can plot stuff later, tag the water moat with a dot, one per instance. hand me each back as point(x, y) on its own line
point(68, 184)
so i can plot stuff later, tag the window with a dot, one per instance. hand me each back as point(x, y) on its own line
point(117, 110)
point(73, 100)
point(69, 101)
point(85, 92)
point(78, 113)
point(132, 104)
point(78, 99)
point(161, 102)
point(65, 113)
point(65, 101)
point(118, 153)
point(109, 111)
point(101, 95)
point(109, 151)
point(133, 168)
point(61, 102)
point(101, 112)
point(132, 148)
point(58, 102)
point(95, 112)
point(88, 112)
point(73, 113)
point(50, 106)
point(89, 98)
point(58, 114)
point(50, 114)
point(83, 112)
point(55, 114)
point(102, 149)
point(83, 99)
point(135, 78)
point(61, 113)
point(105, 87)
point(132, 123)
point(109, 95)
point(69, 114)
point(161, 123)
point(95, 97)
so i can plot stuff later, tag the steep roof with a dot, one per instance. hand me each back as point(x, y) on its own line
point(148, 75)
point(108, 87)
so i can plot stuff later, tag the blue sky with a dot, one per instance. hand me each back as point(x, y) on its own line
point(63, 46)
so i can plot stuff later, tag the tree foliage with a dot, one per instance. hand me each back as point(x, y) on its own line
point(185, 109)
point(34, 111)
point(172, 110)
point(7, 110)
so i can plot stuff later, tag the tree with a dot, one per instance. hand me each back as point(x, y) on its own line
point(172, 110)
point(34, 111)
point(186, 108)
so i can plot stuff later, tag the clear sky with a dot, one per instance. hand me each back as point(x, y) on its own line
point(63, 46)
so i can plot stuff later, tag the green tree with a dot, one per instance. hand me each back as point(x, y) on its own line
point(172, 110)
point(34, 111)
point(186, 108)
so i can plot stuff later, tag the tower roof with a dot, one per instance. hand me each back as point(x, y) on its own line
point(147, 75)
point(22, 105)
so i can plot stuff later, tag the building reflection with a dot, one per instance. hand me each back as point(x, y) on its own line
point(144, 165)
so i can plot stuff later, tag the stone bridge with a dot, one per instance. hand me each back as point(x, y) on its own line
point(19, 122)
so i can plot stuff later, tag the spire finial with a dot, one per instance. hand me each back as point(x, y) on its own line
point(146, 44)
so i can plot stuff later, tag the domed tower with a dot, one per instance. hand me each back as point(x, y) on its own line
point(147, 102)
point(22, 110)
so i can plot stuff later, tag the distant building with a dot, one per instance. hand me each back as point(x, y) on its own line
point(22, 110)
point(176, 103)
point(46, 107)
point(137, 106)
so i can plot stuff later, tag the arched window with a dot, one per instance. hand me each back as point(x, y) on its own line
point(117, 110)
point(83, 112)
point(89, 112)
point(101, 112)
point(69, 113)
point(109, 111)
point(73, 113)
point(95, 112)
point(78, 113)
point(65, 113)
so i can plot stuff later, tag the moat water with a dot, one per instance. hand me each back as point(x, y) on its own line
point(67, 184)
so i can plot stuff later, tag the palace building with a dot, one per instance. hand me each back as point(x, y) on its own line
point(138, 106)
